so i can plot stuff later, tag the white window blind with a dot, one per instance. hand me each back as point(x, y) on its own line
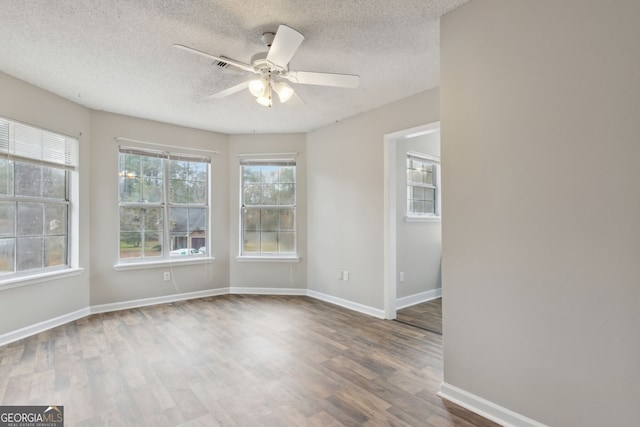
point(25, 142)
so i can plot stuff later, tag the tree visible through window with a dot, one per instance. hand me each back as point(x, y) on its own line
point(268, 207)
point(156, 185)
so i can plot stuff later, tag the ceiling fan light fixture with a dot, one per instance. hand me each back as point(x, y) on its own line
point(257, 87)
point(265, 98)
point(284, 91)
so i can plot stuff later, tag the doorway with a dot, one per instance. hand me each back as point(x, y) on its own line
point(406, 282)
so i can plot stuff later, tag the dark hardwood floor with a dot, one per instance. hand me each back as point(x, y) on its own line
point(233, 361)
point(426, 315)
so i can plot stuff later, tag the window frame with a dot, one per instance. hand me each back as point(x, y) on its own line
point(266, 160)
point(159, 151)
point(24, 144)
point(434, 161)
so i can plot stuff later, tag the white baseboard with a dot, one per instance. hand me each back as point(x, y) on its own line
point(104, 308)
point(371, 311)
point(27, 331)
point(414, 299)
point(266, 291)
point(485, 408)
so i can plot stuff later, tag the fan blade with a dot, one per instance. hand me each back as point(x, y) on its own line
point(231, 90)
point(229, 61)
point(324, 79)
point(284, 46)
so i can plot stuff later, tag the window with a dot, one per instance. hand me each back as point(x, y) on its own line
point(423, 198)
point(36, 169)
point(268, 211)
point(155, 185)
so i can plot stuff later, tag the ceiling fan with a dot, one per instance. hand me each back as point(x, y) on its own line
point(272, 69)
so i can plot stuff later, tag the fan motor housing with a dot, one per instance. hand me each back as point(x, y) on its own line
point(261, 65)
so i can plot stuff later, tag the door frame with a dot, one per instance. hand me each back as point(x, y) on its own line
point(390, 211)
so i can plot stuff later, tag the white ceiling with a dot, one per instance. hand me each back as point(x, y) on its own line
point(117, 56)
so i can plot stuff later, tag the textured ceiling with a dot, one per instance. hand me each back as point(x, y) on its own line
point(117, 56)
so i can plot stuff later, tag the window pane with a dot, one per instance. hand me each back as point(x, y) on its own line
point(251, 219)
point(30, 219)
point(269, 174)
point(287, 194)
point(6, 177)
point(187, 230)
point(198, 192)
point(55, 219)
point(270, 194)
point(55, 251)
point(54, 183)
point(130, 245)
point(152, 189)
point(269, 220)
point(197, 219)
point(286, 220)
point(141, 232)
point(152, 244)
point(286, 243)
point(188, 182)
point(29, 253)
point(251, 174)
point(251, 242)
point(28, 179)
point(268, 242)
point(287, 174)
point(179, 220)
point(7, 219)
point(7, 251)
point(252, 194)
point(130, 190)
point(131, 219)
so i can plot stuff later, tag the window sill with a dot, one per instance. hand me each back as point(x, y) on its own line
point(422, 219)
point(245, 258)
point(31, 279)
point(140, 265)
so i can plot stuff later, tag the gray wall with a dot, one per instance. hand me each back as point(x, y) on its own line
point(111, 286)
point(255, 274)
point(346, 198)
point(30, 304)
point(541, 279)
point(418, 244)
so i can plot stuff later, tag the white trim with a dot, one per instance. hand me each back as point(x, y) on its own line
point(104, 308)
point(31, 279)
point(485, 408)
point(244, 258)
point(235, 290)
point(163, 263)
point(390, 209)
point(421, 297)
point(371, 311)
point(137, 141)
point(271, 156)
point(27, 331)
point(422, 219)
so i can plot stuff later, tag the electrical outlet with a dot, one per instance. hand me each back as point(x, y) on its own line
point(167, 276)
point(402, 276)
point(345, 276)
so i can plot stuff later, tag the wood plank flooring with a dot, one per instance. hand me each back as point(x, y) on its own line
point(233, 360)
point(426, 315)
